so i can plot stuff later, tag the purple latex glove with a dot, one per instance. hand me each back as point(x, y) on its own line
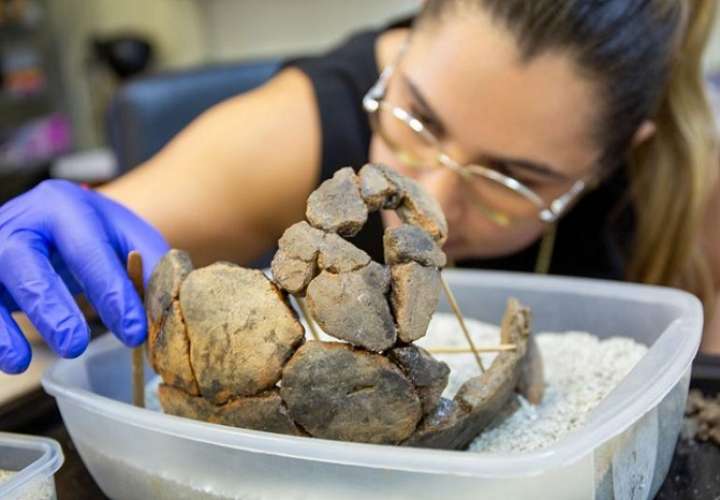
point(58, 240)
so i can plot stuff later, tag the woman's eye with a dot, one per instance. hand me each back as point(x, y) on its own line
point(525, 181)
point(529, 182)
point(428, 122)
point(505, 169)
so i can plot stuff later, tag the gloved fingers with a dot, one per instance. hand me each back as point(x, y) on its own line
point(30, 279)
point(15, 353)
point(93, 261)
point(6, 300)
point(70, 282)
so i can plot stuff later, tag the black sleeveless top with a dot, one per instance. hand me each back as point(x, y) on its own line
point(592, 239)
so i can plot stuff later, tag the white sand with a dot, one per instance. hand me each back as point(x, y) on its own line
point(35, 490)
point(580, 370)
point(5, 475)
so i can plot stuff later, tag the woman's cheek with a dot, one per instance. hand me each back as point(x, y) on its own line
point(380, 153)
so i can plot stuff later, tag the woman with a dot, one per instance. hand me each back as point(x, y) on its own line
point(525, 119)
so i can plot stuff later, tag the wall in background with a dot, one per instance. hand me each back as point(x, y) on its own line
point(194, 32)
point(175, 26)
point(258, 28)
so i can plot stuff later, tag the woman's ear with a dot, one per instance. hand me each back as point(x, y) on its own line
point(644, 132)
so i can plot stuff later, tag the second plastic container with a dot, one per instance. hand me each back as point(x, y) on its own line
point(33, 462)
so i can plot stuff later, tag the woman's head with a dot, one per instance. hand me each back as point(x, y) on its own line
point(560, 88)
point(622, 50)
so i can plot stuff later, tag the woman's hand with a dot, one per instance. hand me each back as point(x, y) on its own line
point(58, 240)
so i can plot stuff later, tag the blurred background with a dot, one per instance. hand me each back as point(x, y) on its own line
point(91, 88)
point(80, 81)
point(88, 89)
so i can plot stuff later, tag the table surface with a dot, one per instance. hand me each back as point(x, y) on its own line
point(694, 473)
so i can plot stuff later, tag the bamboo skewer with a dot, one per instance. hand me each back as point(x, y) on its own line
point(467, 350)
point(458, 314)
point(135, 271)
point(308, 318)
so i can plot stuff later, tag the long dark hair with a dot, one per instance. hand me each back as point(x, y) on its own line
point(645, 57)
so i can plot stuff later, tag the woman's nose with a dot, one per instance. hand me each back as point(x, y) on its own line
point(445, 186)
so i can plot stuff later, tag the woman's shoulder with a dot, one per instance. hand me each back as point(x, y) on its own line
point(356, 61)
point(340, 78)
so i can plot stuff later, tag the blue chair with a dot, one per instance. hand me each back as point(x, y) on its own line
point(146, 113)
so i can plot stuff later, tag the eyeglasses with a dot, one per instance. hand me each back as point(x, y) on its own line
point(498, 196)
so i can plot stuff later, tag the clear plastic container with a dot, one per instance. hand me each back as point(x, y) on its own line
point(623, 451)
point(33, 462)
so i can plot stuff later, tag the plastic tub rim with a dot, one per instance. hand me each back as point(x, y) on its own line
point(562, 453)
point(42, 468)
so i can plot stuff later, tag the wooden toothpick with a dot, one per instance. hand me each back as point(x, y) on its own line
point(466, 350)
point(458, 314)
point(135, 271)
point(308, 318)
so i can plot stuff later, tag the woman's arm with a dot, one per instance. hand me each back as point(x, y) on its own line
point(231, 182)
point(711, 247)
point(225, 188)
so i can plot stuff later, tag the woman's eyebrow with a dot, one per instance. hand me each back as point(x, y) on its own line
point(427, 110)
